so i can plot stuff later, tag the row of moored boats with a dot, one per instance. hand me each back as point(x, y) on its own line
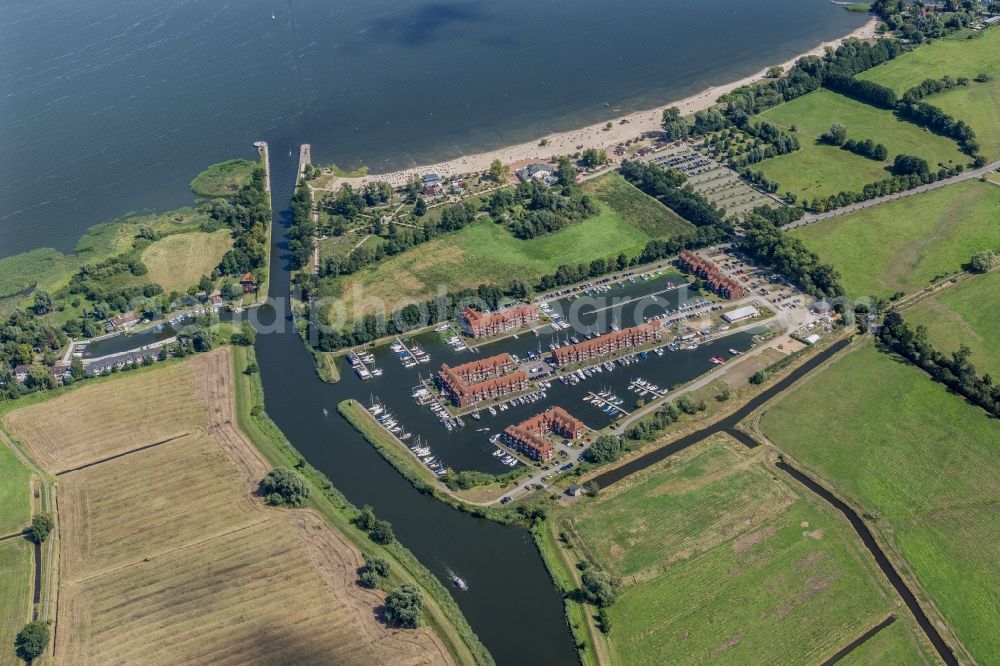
point(419, 449)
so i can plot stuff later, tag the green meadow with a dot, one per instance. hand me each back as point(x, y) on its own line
point(921, 460)
point(977, 104)
point(955, 57)
point(223, 179)
point(905, 245)
point(968, 314)
point(486, 252)
point(15, 596)
point(820, 170)
point(721, 559)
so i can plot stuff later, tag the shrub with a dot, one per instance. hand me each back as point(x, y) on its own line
point(381, 532)
point(32, 640)
point(982, 262)
point(597, 588)
point(403, 606)
point(374, 571)
point(284, 487)
point(41, 526)
point(606, 449)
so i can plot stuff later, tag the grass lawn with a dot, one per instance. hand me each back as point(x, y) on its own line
point(893, 646)
point(903, 245)
point(977, 104)
point(15, 492)
point(485, 252)
point(732, 564)
point(820, 170)
point(923, 460)
point(965, 314)
point(178, 261)
point(341, 246)
point(642, 211)
point(15, 596)
point(223, 179)
point(944, 57)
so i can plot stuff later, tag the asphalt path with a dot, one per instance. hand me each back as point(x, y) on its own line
point(966, 175)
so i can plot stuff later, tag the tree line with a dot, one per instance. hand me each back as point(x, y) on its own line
point(766, 244)
point(248, 215)
point(954, 370)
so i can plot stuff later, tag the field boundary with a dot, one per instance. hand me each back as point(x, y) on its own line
point(895, 559)
point(859, 641)
point(139, 449)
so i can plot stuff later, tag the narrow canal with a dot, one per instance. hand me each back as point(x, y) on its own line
point(511, 602)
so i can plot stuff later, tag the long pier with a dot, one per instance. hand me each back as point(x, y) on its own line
point(265, 157)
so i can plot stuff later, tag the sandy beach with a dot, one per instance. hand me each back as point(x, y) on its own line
point(592, 136)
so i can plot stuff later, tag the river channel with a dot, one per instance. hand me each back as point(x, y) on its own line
point(511, 602)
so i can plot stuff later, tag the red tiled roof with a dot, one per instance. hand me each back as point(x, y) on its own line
point(717, 280)
point(627, 337)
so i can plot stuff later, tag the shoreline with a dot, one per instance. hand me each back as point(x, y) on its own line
point(623, 129)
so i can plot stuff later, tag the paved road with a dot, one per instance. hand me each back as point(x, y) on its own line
point(967, 175)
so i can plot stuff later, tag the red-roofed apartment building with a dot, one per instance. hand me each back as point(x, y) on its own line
point(609, 343)
point(482, 380)
point(528, 437)
point(483, 324)
point(717, 280)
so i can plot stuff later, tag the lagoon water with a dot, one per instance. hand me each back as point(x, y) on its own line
point(111, 106)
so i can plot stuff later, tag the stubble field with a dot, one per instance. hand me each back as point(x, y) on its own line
point(166, 556)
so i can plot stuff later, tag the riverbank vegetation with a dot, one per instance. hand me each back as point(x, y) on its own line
point(440, 610)
point(908, 453)
point(902, 246)
point(710, 556)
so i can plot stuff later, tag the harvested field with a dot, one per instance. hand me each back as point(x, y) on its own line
point(170, 545)
point(112, 417)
